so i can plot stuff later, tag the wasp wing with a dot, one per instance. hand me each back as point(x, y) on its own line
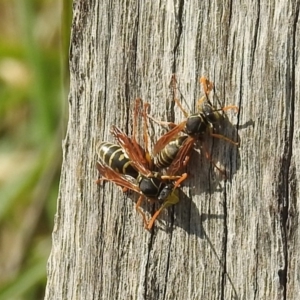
point(110, 175)
point(134, 151)
point(168, 137)
point(182, 157)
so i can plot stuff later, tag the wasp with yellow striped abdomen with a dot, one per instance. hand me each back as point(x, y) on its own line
point(115, 157)
point(115, 166)
point(195, 127)
point(130, 166)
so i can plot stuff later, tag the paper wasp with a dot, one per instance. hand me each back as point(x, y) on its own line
point(128, 159)
point(195, 126)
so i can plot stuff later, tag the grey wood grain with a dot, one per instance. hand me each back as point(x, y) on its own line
point(227, 239)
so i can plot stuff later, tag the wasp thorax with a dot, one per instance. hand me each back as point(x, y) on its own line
point(196, 125)
point(150, 187)
point(211, 114)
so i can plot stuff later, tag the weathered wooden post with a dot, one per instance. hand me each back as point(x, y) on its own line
point(227, 239)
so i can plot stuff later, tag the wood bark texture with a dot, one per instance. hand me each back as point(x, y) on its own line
point(233, 238)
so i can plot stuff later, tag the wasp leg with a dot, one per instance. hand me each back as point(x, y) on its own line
point(222, 137)
point(146, 136)
point(100, 180)
point(174, 86)
point(208, 157)
point(137, 207)
point(154, 217)
point(178, 179)
point(173, 199)
point(170, 177)
point(181, 108)
point(181, 179)
point(231, 107)
point(157, 213)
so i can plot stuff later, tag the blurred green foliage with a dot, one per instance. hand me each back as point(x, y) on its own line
point(34, 45)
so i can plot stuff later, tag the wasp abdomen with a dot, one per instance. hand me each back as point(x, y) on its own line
point(114, 156)
point(166, 156)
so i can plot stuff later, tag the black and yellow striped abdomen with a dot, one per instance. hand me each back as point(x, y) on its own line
point(114, 156)
point(166, 156)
